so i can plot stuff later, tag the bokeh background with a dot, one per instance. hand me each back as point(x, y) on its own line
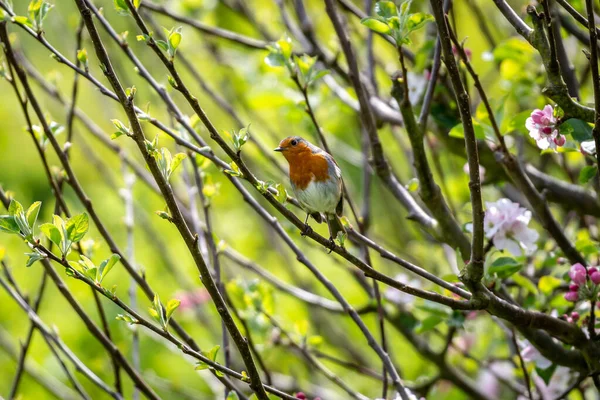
point(266, 98)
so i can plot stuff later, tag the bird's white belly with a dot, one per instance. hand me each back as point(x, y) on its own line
point(319, 196)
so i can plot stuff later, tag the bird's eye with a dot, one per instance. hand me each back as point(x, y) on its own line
point(294, 142)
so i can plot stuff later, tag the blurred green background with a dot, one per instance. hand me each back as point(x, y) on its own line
point(266, 98)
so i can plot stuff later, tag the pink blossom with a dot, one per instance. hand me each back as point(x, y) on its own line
point(573, 287)
point(543, 129)
point(575, 316)
point(578, 274)
point(192, 299)
point(595, 277)
point(531, 354)
point(572, 296)
point(506, 223)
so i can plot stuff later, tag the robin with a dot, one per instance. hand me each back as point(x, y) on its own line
point(316, 182)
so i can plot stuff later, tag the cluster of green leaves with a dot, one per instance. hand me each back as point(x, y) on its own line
point(399, 23)
point(252, 298)
point(302, 68)
point(37, 13)
point(280, 193)
point(166, 162)
point(160, 314)
point(20, 222)
point(86, 267)
point(122, 129)
point(212, 356)
point(122, 8)
point(239, 138)
point(82, 57)
point(40, 135)
point(64, 233)
point(170, 45)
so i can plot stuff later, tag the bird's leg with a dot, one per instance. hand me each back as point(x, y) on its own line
point(307, 229)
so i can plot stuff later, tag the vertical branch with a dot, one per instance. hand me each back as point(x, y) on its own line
point(190, 240)
point(214, 254)
point(474, 271)
point(127, 195)
point(589, 4)
point(513, 336)
point(380, 164)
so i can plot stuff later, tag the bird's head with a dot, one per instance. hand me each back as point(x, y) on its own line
point(292, 147)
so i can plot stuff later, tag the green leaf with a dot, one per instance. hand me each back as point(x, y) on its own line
point(86, 263)
point(116, 134)
point(386, 9)
point(106, 266)
point(525, 283)
point(586, 246)
point(52, 233)
point(281, 193)
point(212, 353)
point(163, 45)
point(174, 38)
point(200, 366)
point(504, 267)
point(121, 7)
point(285, 46)
point(318, 75)
point(22, 20)
point(8, 224)
point(546, 374)
point(232, 396)
point(179, 157)
point(33, 257)
point(579, 130)
point(120, 126)
point(275, 60)
point(587, 173)
point(376, 25)
point(458, 131)
point(518, 122)
point(32, 214)
point(77, 227)
point(315, 341)
point(417, 21)
point(127, 318)
point(15, 208)
point(171, 307)
point(548, 283)
point(154, 314)
point(428, 323)
point(82, 56)
point(301, 327)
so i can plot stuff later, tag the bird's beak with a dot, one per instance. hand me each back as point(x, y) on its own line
point(278, 149)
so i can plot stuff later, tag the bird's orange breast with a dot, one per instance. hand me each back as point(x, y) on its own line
point(306, 165)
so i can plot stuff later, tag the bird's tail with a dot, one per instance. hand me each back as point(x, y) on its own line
point(335, 225)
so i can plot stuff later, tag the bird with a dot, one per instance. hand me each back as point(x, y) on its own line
point(316, 181)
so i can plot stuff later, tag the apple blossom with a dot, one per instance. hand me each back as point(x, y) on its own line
point(506, 223)
point(580, 288)
point(578, 274)
point(543, 128)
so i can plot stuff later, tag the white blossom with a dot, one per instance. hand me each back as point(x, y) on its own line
point(506, 223)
